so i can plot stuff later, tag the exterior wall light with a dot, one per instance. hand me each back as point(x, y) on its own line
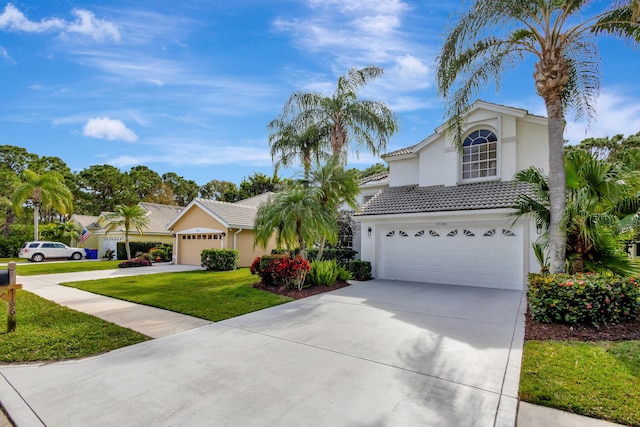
point(369, 231)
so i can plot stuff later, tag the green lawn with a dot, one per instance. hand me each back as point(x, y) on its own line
point(209, 295)
point(600, 380)
point(47, 331)
point(5, 260)
point(31, 269)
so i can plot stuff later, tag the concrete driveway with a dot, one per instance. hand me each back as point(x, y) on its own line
point(377, 353)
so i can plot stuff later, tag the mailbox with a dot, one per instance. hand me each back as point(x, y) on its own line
point(4, 278)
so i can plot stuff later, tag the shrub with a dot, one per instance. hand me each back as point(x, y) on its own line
point(341, 255)
point(281, 270)
point(135, 262)
point(159, 254)
point(323, 273)
point(361, 270)
point(136, 247)
point(108, 254)
point(583, 298)
point(219, 259)
point(343, 273)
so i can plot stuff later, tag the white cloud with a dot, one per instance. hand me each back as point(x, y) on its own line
point(86, 23)
point(4, 54)
point(14, 20)
point(106, 128)
point(616, 113)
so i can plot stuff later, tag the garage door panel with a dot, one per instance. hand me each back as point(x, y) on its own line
point(489, 255)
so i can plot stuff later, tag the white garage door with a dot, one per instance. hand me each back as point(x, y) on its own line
point(485, 256)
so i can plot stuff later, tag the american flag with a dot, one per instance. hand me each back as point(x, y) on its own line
point(84, 236)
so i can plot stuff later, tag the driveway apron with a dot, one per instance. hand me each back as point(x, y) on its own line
point(378, 353)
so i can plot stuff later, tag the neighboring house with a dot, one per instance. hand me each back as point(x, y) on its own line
point(159, 216)
point(445, 215)
point(211, 224)
point(87, 222)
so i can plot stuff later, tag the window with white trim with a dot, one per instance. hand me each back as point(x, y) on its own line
point(480, 155)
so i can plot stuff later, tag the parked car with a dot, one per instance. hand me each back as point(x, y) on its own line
point(38, 251)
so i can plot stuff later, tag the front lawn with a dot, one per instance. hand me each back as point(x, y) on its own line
point(32, 269)
point(209, 295)
point(47, 331)
point(597, 379)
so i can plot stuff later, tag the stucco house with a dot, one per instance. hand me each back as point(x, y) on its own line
point(159, 216)
point(443, 215)
point(211, 224)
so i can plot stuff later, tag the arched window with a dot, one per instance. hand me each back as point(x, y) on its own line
point(480, 155)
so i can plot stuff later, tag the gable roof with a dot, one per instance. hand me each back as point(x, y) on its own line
point(231, 215)
point(479, 104)
point(438, 198)
point(159, 216)
point(87, 221)
point(256, 201)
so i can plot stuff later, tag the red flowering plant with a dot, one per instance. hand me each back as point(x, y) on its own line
point(281, 270)
point(583, 298)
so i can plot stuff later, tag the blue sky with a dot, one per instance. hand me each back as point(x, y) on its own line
point(190, 86)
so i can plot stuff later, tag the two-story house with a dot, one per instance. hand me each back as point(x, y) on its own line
point(445, 216)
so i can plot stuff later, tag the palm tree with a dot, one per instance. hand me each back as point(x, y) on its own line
point(47, 191)
point(336, 186)
point(298, 219)
point(598, 203)
point(128, 217)
point(288, 144)
point(496, 34)
point(343, 116)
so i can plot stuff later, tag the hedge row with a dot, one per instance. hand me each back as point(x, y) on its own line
point(588, 299)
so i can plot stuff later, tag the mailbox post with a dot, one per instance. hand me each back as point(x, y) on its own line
point(8, 288)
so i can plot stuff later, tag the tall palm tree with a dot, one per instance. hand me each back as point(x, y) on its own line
point(298, 219)
point(497, 34)
point(290, 144)
point(342, 115)
point(599, 203)
point(46, 191)
point(129, 217)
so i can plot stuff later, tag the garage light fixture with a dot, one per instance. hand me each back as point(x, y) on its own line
point(369, 231)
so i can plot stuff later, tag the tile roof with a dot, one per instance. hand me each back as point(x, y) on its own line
point(87, 221)
point(400, 152)
point(236, 215)
point(256, 201)
point(438, 198)
point(377, 177)
point(159, 216)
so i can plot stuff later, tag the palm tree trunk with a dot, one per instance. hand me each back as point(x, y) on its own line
point(557, 185)
point(126, 243)
point(36, 219)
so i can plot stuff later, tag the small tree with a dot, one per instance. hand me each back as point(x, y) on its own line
point(46, 191)
point(128, 217)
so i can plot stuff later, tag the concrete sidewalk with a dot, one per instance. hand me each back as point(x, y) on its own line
point(150, 321)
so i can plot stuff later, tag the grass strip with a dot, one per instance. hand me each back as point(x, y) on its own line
point(210, 295)
point(600, 380)
point(32, 269)
point(48, 331)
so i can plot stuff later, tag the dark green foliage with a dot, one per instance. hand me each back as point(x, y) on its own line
point(342, 256)
point(137, 248)
point(135, 262)
point(219, 259)
point(361, 270)
point(586, 299)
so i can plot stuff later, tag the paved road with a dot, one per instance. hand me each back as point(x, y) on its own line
point(375, 353)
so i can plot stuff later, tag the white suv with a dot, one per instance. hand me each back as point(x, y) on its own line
point(37, 251)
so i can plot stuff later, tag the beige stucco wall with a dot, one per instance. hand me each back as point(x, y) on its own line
point(533, 146)
point(189, 250)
